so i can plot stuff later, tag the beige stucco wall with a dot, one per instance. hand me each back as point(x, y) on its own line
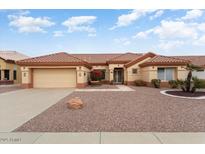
point(26, 75)
point(138, 75)
point(181, 72)
point(83, 74)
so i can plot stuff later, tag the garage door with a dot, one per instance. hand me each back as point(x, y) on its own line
point(54, 78)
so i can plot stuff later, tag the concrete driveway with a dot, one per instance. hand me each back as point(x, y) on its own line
point(17, 107)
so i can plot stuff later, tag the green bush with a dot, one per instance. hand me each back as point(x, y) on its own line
point(198, 83)
point(156, 83)
point(173, 83)
point(181, 84)
point(140, 83)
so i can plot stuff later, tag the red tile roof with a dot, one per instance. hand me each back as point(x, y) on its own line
point(124, 58)
point(56, 59)
point(129, 59)
point(140, 58)
point(164, 60)
point(196, 60)
point(96, 58)
point(12, 55)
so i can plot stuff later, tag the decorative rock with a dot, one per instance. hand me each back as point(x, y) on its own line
point(75, 103)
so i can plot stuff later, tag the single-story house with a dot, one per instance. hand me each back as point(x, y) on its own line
point(10, 72)
point(73, 70)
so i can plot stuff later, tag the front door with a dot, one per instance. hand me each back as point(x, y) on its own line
point(118, 75)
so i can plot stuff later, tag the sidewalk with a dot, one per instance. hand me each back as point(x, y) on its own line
point(102, 138)
point(119, 88)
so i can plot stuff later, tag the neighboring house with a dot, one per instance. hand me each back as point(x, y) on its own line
point(196, 60)
point(10, 72)
point(73, 70)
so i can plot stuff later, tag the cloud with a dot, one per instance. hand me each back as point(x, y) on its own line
point(127, 19)
point(193, 14)
point(122, 41)
point(92, 35)
point(23, 12)
point(58, 33)
point(174, 33)
point(28, 24)
point(175, 29)
point(170, 30)
point(200, 41)
point(201, 27)
point(157, 14)
point(167, 45)
point(143, 35)
point(80, 24)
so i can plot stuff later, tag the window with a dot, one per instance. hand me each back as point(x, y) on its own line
point(165, 74)
point(6, 75)
point(14, 75)
point(134, 71)
point(161, 73)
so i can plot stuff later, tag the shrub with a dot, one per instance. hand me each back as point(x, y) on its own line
point(173, 83)
point(156, 83)
point(182, 84)
point(198, 83)
point(140, 83)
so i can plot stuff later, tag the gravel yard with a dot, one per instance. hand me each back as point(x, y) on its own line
point(143, 110)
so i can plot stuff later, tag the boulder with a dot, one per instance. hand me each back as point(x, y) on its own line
point(75, 103)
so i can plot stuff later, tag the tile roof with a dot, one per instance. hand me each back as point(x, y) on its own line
point(196, 60)
point(64, 58)
point(96, 58)
point(124, 58)
point(164, 60)
point(60, 58)
point(12, 55)
point(140, 58)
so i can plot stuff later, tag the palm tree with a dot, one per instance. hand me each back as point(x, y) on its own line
point(187, 87)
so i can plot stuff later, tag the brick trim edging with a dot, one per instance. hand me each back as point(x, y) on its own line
point(27, 85)
point(81, 85)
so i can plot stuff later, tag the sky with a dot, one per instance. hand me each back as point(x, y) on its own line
point(166, 32)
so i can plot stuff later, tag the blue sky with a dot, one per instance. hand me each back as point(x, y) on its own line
point(167, 32)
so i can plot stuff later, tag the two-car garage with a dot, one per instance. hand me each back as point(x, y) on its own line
point(58, 70)
point(54, 78)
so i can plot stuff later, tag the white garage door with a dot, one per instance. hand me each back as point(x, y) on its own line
point(199, 74)
point(54, 78)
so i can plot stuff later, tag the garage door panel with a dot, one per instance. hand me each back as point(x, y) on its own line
point(54, 78)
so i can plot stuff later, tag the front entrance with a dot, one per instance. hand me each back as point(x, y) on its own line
point(118, 75)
